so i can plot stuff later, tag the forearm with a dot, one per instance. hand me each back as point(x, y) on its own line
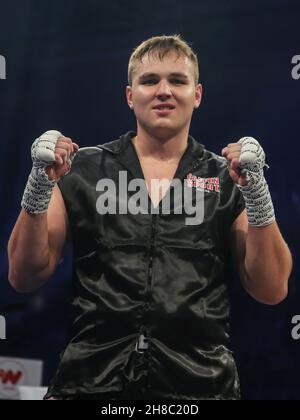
point(28, 251)
point(264, 259)
point(268, 264)
point(38, 238)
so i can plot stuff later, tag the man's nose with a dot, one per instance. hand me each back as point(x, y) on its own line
point(163, 90)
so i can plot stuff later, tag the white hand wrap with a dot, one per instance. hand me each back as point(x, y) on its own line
point(39, 188)
point(256, 193)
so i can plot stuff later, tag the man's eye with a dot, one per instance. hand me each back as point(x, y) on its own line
point(177, 82)
point(149, 82)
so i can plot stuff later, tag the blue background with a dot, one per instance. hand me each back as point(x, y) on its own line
point(67, 70)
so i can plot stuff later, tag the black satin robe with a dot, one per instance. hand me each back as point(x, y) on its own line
point(148, 277)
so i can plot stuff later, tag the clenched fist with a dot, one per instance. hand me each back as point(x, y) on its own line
point(64, 152)
point(232, 152)
point(246, 160)
point(52, 155)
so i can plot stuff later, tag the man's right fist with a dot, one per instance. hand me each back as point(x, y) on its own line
point(52, 156)
point(54, 152)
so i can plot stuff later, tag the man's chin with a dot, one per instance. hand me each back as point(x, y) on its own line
point(161, 129)
point(165, 124)
point(165, 130)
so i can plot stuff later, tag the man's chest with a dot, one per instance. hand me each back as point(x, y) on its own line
point(158, 177)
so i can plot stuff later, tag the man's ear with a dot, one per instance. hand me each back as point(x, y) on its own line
point(129, 96)
point(198, 96)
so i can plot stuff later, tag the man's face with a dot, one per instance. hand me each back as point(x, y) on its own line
point(163, 94)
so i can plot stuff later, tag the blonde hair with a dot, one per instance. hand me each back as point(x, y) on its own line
point(161, 46)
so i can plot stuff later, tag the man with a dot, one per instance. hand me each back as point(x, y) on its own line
point(151, 305)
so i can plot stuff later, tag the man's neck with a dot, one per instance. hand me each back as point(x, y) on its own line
point(163, 150)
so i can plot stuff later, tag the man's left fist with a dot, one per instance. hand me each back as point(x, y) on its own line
point(233, 153)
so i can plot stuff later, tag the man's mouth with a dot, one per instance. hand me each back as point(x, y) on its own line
point(163, 107)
